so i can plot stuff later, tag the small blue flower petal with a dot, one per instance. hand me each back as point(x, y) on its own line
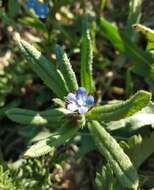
point(89, 100)
point(31, 3)
point(81, 91)
point(71, 97)
point(72, 107)
point(83, 109)
point(41, 10)
point(80, 100)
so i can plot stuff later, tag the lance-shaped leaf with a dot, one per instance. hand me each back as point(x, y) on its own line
point(86, 61)
point(42, 66)
point(116, 111)
point(112, 34)
point(34, 22)
point(65, 67)
point(114, 154)
point(65, 133)
point(145, 117)
point(27, 117)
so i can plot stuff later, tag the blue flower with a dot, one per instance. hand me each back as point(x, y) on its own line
point(41, 9)
point(79, 101)
point(31, 4)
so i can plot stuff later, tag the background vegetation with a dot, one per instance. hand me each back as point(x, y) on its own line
point(122, 65)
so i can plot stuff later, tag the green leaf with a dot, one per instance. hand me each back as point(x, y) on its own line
point(10, 105)
point(87, 144)
point(27, 117)
point(116, 111)
point(148, 33)
point(142, 118)
point(59, 102)
point(65, 67)
point(33, 22)
point(41, 148)
point(104, 178)
point(86, 61)
point(29, 132)
point(134, 52)
point(114, 154)
point(143, 62)
point(45, 70)
point(41, 136)
point(142, 150)
point(7, 181)
point(102, 4)
point(134, 14)
point(13, 8)
point(67, 131)
point(112, 34)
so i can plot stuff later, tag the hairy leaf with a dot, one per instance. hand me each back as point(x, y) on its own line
point(86, 61)
point(65, 67)
point(116, 111)
point(47, 145)
point(36, 118)
point(114, 154)
point(41, 136)
point(142, 118)
point(45, 70)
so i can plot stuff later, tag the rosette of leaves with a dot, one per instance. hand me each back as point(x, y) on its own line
point(61, 79)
